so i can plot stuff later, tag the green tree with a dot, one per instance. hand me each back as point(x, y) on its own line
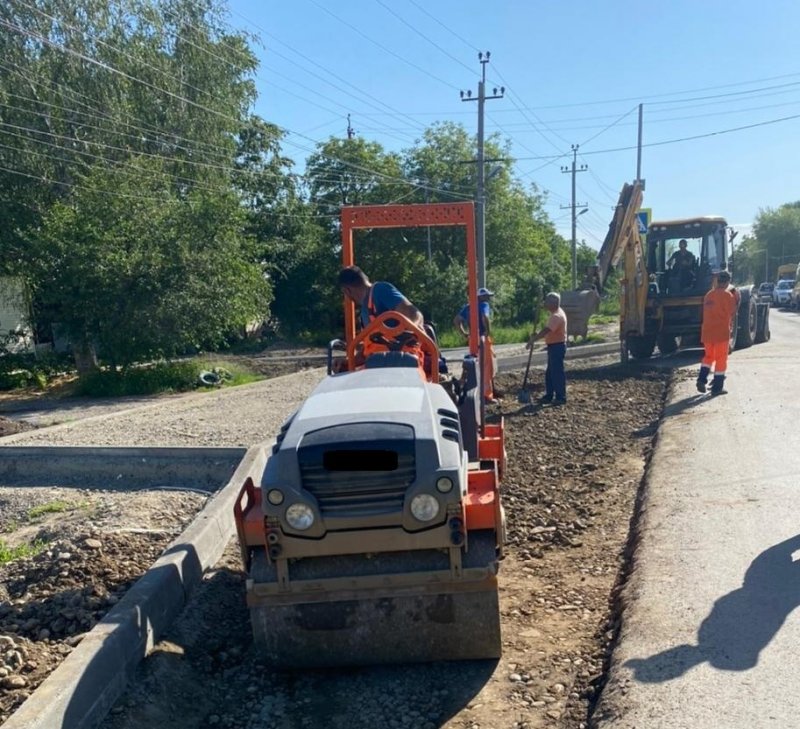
point(141, 272)
point(166, 81)
point(778, 231)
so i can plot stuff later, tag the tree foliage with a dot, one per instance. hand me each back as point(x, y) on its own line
point(143, 273)
point(775, 241)
point(151, 211)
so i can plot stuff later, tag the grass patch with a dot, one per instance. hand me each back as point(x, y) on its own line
point(603, 319)
point(21, 551)
point(161, 377)
point(500, 335)
point(51, 507)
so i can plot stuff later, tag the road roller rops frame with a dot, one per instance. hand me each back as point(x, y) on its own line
point(375, 533)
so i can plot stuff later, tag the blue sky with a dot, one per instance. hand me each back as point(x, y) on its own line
point(571, 68)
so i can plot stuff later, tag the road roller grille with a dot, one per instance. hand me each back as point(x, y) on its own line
point(359, 469)
point(481, 506)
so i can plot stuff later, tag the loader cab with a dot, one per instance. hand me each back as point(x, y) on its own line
point(683, 256)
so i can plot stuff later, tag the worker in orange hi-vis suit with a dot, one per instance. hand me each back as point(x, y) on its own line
point(719, 309)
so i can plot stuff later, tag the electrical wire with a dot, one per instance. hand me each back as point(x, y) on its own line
point(101, 64)
point(443, 25)
point(348, 91)
point(357, 30)
point(116, 193)
point(606, 128)
point(675, 141)
point(422, 35)
point(350, 88)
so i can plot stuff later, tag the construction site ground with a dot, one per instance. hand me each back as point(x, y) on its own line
point(572, 481)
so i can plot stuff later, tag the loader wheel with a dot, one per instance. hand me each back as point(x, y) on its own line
point(667, 344)
point(763, 333)
point(747, 321)
point(641, 347)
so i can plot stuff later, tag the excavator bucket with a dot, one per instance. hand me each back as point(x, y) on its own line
point(400, 617)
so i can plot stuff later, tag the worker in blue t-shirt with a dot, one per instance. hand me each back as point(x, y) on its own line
point(375, 299)
point(461, 322)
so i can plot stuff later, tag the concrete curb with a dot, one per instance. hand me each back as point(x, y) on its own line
point(507, 364)
point(118, 469)
point(81, 691)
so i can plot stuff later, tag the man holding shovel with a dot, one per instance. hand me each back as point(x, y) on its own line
point(555, 337)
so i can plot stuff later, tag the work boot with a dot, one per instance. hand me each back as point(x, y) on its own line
point(702, 378)
point(718, 385)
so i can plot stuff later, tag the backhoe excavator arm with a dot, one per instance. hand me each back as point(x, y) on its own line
point(623, 243)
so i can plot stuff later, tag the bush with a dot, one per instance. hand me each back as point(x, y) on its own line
point(157, 378)
point(28, 370)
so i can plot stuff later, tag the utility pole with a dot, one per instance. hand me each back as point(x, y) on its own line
point(480, 197)
point(574, 169)
point(639, 149)
point(350, 131)
point(427, 200)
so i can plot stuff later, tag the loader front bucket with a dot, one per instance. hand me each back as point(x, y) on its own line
point(409, 616)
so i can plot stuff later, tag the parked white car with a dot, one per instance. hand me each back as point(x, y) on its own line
point(782, 294)
point(765, 292)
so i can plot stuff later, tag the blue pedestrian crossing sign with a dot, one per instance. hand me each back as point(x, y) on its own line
point(644, 216)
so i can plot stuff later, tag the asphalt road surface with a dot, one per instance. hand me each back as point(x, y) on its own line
point(710, 629)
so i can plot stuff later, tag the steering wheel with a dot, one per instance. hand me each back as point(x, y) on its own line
point(394, 331)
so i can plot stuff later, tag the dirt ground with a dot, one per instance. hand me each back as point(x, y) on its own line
point(9, 427)
point(90, 547)
point(570, 491)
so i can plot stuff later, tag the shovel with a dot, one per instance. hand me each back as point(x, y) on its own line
point(524, 396)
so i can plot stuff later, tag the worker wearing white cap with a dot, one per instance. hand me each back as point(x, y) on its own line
point(461, 322)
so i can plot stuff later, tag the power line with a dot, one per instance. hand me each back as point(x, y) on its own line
point(675, 141)
point(178, 97)
point(443, 25)
point(348, 91)
point(99, 114)
point(606, 128)
point(351, 88)
point(383, 47)
point(422, 35)
point(116, 193)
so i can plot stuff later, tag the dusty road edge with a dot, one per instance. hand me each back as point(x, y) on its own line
point(81, 691)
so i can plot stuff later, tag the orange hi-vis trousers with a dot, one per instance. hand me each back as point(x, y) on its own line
point(716, 356)
point(488, 368)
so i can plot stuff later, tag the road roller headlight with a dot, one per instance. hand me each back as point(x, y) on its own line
point(300, 517)
point(444, 485)
point(424, 507)
point(275, 497)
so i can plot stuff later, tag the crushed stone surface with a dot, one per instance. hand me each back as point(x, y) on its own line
point(572, 478)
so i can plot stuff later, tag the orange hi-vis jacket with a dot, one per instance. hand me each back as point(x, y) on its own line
point(371, 348)
point(719, 308)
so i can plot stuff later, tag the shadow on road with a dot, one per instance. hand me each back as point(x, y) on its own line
point(740, 625)
point(676, 408)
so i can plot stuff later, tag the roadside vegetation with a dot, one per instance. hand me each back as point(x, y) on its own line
point(147, 225)
point(20, 551)
point(163, 377)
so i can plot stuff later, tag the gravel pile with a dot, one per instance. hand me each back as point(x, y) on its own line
point(49, 601)
point(572, 478)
